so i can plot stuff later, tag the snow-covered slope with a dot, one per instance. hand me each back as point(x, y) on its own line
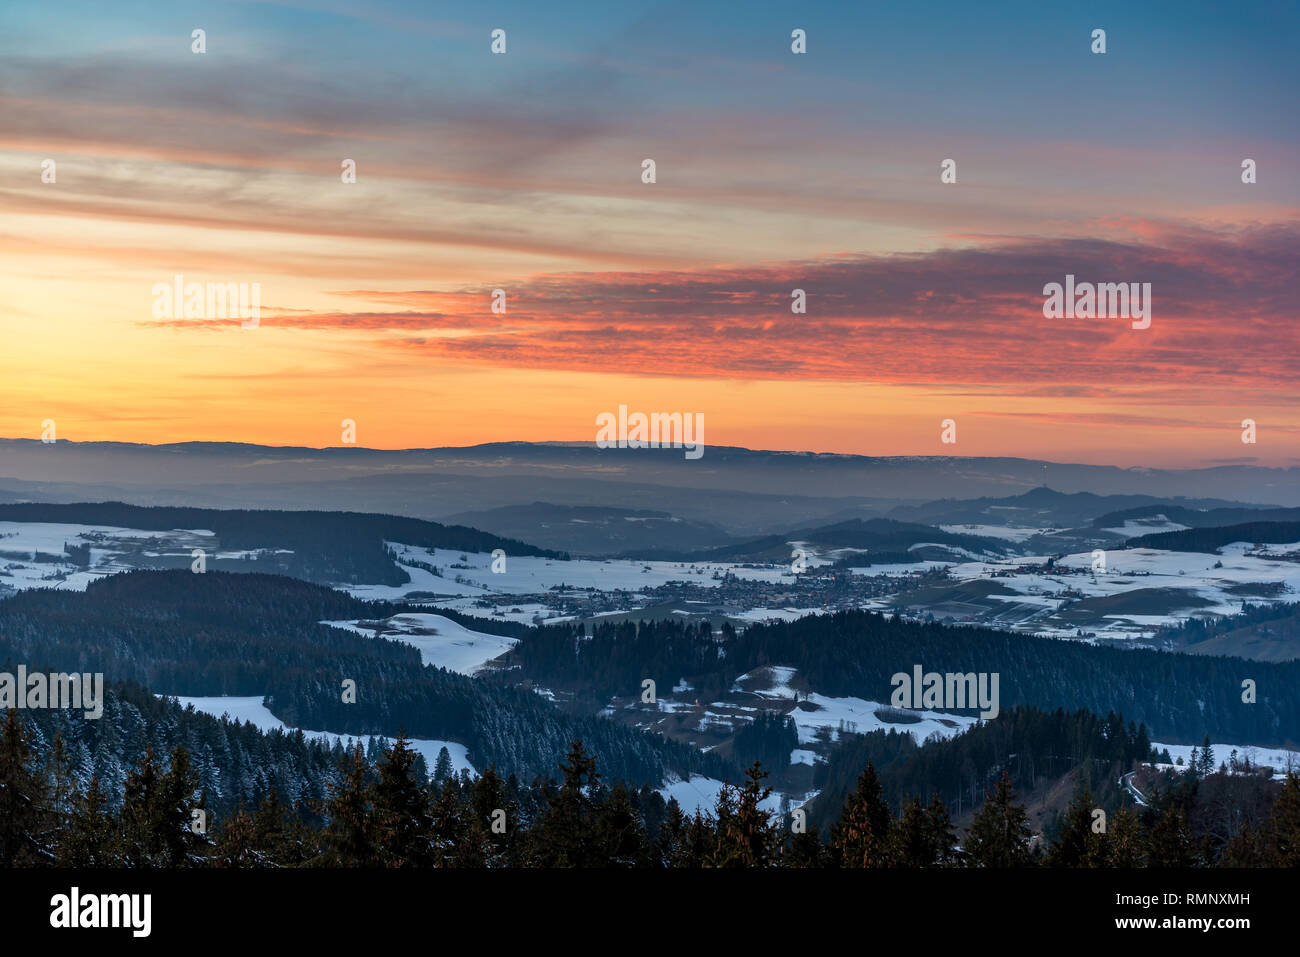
point(252, 710)
point(442, 642)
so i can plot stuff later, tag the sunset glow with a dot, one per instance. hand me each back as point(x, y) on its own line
point(523, 172)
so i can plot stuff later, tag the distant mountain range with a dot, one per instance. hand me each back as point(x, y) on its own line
point(1044, 507)
point(1054, 522)
point(596, 530)
point(742, 493)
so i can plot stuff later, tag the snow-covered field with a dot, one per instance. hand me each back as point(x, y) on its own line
point(859, 715)
point(816, 711)
point(951, 549)
point(1146, 526)
point(1209, 589)
point(1264, 550)
point(1280, 759)
point(252, 710)
point(523, 613)
point(779, 614)
point(1127, 569)
point(527, 575)
point(107, 545)
point(701, 793)
point(442, 642)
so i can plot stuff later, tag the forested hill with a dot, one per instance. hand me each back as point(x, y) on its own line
point(236, 764)
point(220, 634)
point(855, 653)
point(1179, 697)
point(325, 547)
point(1212, 539)
point(1198, 518)
point(1030, 744)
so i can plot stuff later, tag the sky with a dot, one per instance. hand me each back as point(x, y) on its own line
point(523, 171)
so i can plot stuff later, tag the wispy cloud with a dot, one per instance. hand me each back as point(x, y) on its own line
point(1223, 306)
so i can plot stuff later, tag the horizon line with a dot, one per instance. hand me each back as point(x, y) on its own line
point(581, 444)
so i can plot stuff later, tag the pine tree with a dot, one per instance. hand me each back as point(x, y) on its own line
point(26, 821)
point(565, 835)
point(491, 804)
point(864, 837)
point(914, 847)
point(1284, 825)
point(269, 827)
point(447, 826)
point(179, 845)
point(1245, 848)
point(620, 835)
point(63, 788)
point(999, 833)
point(402, 825)
point(699, 845)
point(281, 838)
point(92, 836)
point(940, 833)
point(746, 835)
point(141, 819)
point(298, 842)
point(671, 846)
point(350, 839)
point(1075, 845)
point(474, 850)
point(442, 767)
point(156, 813)
point(1206, 766)
point(1125, 840)
point(236, 843)
point(805, 850)
point(1169, 843)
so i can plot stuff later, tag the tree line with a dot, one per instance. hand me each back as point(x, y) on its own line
point(1214, 538)
point(855, 653)
point(390, 816)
